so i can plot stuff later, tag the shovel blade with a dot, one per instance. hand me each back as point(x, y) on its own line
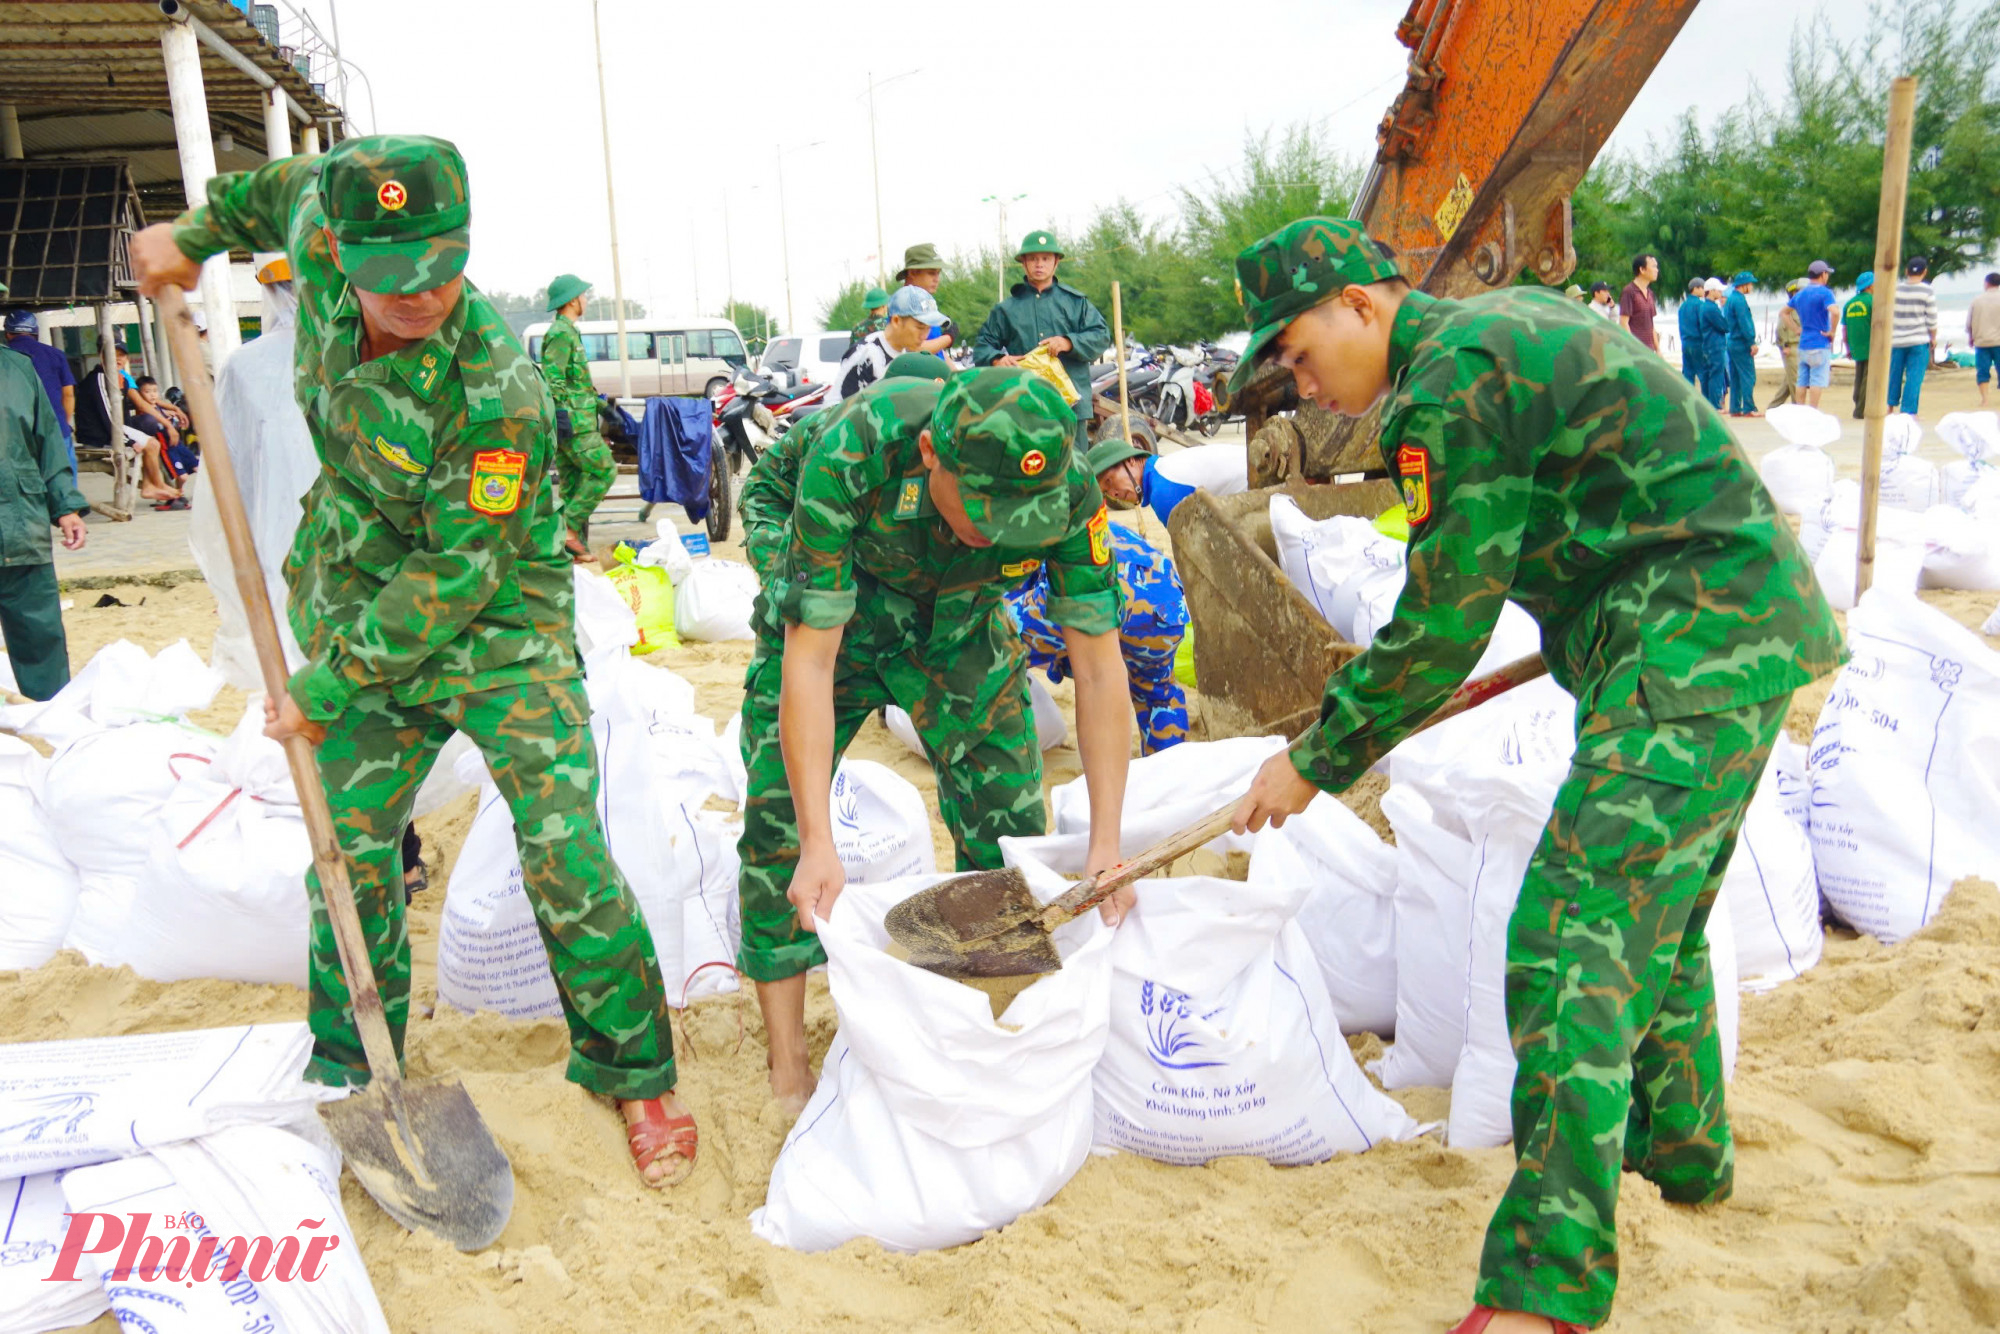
point(453, 1182)
point(983, 924)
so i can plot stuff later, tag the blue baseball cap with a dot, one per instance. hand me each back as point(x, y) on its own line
point(1865, 281)
point(916, 304)
point(22, 322)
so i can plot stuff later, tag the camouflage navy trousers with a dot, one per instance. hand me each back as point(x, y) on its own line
point(1611, 1005)
point(537, 744)
point(586, 470)
point(976, 724)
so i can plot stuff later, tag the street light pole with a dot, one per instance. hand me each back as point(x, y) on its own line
point(875, 159)
point(1000, 281)
point(728, 256)
point(611, 207)
point(785, 232)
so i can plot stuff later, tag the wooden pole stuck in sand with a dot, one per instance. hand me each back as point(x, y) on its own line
point(1118, 341)
point(1881, 328)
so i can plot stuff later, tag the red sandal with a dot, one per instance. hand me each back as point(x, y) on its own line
point(1482, 1316)
point(656, 1133)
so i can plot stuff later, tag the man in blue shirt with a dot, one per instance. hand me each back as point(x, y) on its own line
point(1816, 305)
point(56, 376)
point(1129, 474)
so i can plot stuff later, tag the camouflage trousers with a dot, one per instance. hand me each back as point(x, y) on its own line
point(1611, 1004)
point(537, 744)
point(587, 470)
point(976, 724)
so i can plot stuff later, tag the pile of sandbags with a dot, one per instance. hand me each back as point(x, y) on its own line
point(1975, 477)
point(38, 884)
point(1799, 473)
point(1908, 482)
point(1831, 535)
point(1771, 891)
point(212, 1129)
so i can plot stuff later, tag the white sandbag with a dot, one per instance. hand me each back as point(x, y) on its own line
point(1223, 1039)
point(1221, 469)
point(38, 884)
point(707, 867)
point(1367, 602)
point(713, 601)
point(87, 1100)
point(224, 892)
point(1982, 497)
point(1960, 551)
point(1319, 556)
point(1908, 482)
point(1991, 625)
point(1905, 766)
point(1051, 728)
point(1976, 436)
point(933, 1122)
point(1171, 789)
point(490, 952)
point(604, 621)
point(1799, 474)
point(1349, 914)
point(880, 827)
point(1899, 565)
point(121, 685)
point(1433, 942)
point(1790, 783)
point(1770, 891)
point(667, 552)
point(37, 1219)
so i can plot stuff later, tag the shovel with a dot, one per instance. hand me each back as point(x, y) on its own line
point(419, 1149)
point(987, 923)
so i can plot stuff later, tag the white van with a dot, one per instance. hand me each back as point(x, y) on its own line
point(808, 358)
point(690, 356)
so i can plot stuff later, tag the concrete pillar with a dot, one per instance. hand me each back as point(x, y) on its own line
point(10, 133)
point(309, 141)
point(277, 125)
point(122, 497)
point(182, 52)
point(167, 373)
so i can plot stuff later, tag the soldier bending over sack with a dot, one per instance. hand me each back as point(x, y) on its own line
point(1547, 457)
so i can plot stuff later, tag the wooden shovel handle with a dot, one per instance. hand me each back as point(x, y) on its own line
point(1090, 893)
point(220, 473)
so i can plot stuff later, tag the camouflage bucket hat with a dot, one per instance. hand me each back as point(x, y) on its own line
point(1294, 269)
point(1005, 435)
point(398, 206)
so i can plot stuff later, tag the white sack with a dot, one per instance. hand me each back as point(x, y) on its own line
point(1320, 556)
point(932, 1122)
point(1770, 892)
point(880, 827)
point(667, 552)
point(38, 884)
point(1349, 913)
point(1899, 566)
point(713, 601)
point(1171, 789)
point(1219, 469)
point(604, 621)
point(707, 867)
point(121, 684)
point(1790, 783)
point(1905, 767)
point(1051, 728)
point(1433, 942)
point(36, 1221)
point(224, 892)
point(1798, 473)
point(1960, 551)
point(86, 1100)
point(1908, 482)
point(1976, 436)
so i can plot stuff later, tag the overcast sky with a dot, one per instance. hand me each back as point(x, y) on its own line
point(1072, 105)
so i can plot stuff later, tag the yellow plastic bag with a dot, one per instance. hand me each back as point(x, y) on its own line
point(1184, 660)
point(1049, 366)
point(1394, 522)
point(650, 594)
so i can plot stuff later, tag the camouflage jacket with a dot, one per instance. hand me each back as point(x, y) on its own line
point(866, 539)
point(429, 562)
point(36, 488)
point(1017, 326)
point(869, 324)
point(568, 372)
point(1548, 459)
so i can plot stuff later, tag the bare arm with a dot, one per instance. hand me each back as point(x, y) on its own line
point(69, 405)
point(1104, 740)
point(805, 733)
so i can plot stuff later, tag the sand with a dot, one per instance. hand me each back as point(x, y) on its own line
point(1867, 1105)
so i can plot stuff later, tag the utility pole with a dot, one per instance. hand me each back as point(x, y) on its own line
point(728, 257)
point(875, 159)
point(333, 8)
point(611, 207)
point(1000, 282)
point(785, 231)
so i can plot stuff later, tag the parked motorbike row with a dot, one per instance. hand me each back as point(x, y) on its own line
point(1186, 388)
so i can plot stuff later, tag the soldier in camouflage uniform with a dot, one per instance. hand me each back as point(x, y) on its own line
point(1152, 624)
point(430, 593)
point(1545, 458)
point(583, 460)
point(877, 319)
point(915, 509)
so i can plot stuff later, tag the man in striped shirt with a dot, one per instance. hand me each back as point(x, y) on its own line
point(1913, 338)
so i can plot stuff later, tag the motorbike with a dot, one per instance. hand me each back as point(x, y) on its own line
point(767, 400)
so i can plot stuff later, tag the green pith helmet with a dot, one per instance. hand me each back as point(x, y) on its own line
point(1295, 268)
point(1005, 435)
point(1039, 243)
point(918, 365)
point(398, 207)
point(1107, 454)
point(565, 288)
point(875, 298)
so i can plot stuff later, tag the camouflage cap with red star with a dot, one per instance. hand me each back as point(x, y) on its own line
point(398, 207)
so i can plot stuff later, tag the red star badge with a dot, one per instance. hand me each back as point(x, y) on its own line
point(392, 195)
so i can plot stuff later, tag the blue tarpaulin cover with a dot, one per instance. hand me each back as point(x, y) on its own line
point(674, 444)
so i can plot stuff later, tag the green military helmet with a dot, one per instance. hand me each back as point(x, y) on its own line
point(1005, 435)
point(875, 298)
point(917, 365)
point(1295, 268)
point(565, 288)
point(1108, 454)
point(921, 256)
point(398, 206)
point(1039, 242)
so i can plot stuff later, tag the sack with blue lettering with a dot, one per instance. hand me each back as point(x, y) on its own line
point(1224, 1042)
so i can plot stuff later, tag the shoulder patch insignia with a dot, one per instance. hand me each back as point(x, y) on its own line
point(1100, 536)
point(910, 498)
point(398, 457)
point(496, 481)
point(1413, 465)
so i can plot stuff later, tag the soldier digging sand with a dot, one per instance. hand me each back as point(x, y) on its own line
point(1549, 458)
point(431, 592)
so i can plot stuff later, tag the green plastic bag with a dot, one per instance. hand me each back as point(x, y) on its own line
point(1184, 660)
point(650, 594)
point(1394, 522)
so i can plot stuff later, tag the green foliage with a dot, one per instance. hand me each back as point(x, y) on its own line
point(845, 310)
point(1770, 188)
point(753, 322)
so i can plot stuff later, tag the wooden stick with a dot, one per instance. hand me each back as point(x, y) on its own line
point(1888, 259)
point(366, 997)
point(1118, 336)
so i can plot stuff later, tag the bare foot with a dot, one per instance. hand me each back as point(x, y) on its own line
point(157, 494)
point(579, 554)
point(662, 1137)
point(792, 1088)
